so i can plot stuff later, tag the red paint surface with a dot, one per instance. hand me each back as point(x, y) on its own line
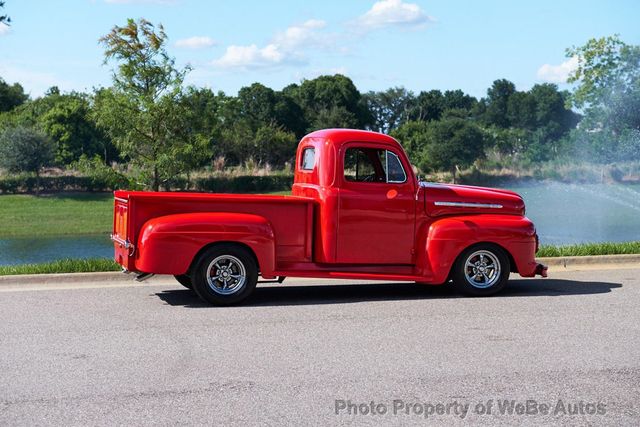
point(329, 227)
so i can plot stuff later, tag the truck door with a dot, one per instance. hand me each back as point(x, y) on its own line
point(376, 214)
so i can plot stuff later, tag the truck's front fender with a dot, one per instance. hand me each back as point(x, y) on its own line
point(168, 244)
point(446, 238)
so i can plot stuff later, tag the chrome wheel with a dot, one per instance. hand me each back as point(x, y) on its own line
point(226, 275)
point(482, 269)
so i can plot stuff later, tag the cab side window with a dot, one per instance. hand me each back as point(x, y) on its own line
point(373, 165)
point(363, 165)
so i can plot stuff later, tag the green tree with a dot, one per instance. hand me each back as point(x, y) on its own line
point(604, 64)
point(428, 106)
point(389, 108)
point(68, 122)
point(11, 96)
point(25, 149)
point(608, 91)
point(262, 106)
point(145, 113)
point(66, 119)
point(330, 101)
point(413, 136)
point(274, 146)
point(454, 143)
point(497, 103)
point(458, 100)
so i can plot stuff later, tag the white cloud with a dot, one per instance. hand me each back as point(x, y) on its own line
point(387, 13)
point(195, 42)
point(4, 29)
point(286, 47)
point(250, 57)
point(298, 36)
point(558, 73)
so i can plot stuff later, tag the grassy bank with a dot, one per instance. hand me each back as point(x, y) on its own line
point(62, 266)
point(55, 214)
point(58, 214)
point(105, 264)
point(585, 249)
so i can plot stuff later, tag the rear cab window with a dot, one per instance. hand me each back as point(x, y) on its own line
point(308, 160)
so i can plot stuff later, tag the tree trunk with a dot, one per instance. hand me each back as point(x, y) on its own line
point(156, 180)
point(37, 182)
point(453, 173)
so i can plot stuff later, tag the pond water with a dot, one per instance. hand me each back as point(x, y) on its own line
point(579, 213)
point(21, 250)
point(563, 214)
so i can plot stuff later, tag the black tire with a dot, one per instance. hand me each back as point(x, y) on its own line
point(184, 280)
point(225, 275)
point(481, 270)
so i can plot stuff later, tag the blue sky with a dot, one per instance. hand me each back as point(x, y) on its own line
point(417, 44)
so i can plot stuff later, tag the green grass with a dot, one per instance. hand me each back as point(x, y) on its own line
point(62, 266)
point(56, 214)
point(585, 249)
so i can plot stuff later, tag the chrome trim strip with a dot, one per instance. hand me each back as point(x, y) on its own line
point(469, 205)
point(120, 199)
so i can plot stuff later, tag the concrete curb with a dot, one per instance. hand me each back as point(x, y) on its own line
point(556, 263)
point(107, 276)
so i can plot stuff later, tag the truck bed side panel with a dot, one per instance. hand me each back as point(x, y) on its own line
point(290, 217)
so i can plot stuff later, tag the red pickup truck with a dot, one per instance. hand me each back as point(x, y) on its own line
point(356, 212)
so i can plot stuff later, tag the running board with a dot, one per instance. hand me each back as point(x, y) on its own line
point(280, 279)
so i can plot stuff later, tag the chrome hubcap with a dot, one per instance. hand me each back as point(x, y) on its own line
point(482, 269)
point(226, 275)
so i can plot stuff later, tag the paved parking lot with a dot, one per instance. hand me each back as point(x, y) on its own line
point(312, 353)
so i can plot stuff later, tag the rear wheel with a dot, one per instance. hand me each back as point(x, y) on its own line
point(184, 280)
point(481, 270)
point(225, 275)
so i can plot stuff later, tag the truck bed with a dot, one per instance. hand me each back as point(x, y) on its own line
point(290, 216)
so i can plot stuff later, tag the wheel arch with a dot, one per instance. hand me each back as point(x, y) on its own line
point(232, 243)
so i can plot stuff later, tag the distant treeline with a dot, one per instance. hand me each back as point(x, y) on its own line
point(170, 129)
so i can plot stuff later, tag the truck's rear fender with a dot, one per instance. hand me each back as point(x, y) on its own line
point(448, 237)
point(169, 244)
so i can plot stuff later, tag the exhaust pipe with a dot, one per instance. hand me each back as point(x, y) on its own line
point(541, 270)
point(143, 276)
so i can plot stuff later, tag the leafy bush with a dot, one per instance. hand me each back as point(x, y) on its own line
point(24, 149)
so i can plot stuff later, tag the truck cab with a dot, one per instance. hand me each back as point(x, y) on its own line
point(356, 211)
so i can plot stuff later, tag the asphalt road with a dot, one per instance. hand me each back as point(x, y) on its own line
point(121, 353)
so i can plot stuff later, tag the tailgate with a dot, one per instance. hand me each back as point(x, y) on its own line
point(120, 235)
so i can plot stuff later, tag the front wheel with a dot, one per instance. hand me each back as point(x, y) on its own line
point(481, 270)
point(225, 275)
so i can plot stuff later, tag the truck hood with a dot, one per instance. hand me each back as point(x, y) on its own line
point(451, 199)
